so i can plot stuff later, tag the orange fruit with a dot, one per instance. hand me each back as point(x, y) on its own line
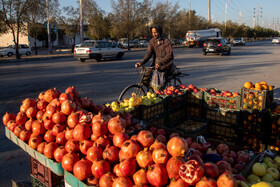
point(264, 87)
point(258, 86)
point(248, 85)
point(270, 87)
point(263, 83)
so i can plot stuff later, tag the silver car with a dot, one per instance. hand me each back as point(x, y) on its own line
point(276, 40)
point(23, 49)
point(97, 49)
point(238, 41)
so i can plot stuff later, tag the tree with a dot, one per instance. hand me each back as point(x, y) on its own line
point(14, 15)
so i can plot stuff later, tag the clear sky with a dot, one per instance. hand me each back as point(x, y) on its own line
point(237, 10)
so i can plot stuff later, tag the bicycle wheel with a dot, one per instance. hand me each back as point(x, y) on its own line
point(126, 93)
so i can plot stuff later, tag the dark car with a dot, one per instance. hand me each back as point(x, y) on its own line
point(216, 45)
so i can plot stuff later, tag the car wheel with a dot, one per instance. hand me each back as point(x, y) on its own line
point(204, 53)
point(82, 59)
point(28, 53)
point(10, 54)
point(119, 55)
point(98, 58)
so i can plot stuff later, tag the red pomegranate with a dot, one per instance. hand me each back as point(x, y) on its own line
point(222, 148)
point(81, 132)
point(173, 167)
point(130, 148)
point(177, 146)
point(99, 128)
point(160, 156)
point(94, 152)
point(161, 138)
point(72, 91)
point(106, 180)
point(27, 103)
point(59, 153)
point(144, 158)
point(28, 124)
point(59, 117)
point(21, 118)
point(226, 179)
point(49, 137)
point(7, 117)
point(38, 127)
point(72, 145)
point(51, 94)
point(223, 166)
point(139, 177)
point(41, 146)
point(85, 145)
point(211, 170)
point(209, 182)
point(57, 128)
point(69, 160)
point(41, 104)
point(178, 183)
point(73, 119)
point(145, 138)
point(24, 135)
point(64, 96)
point(191, 172)
point(157, 175)
point(82, 169)
point(40, 114)
point(103, 142)
point(119, 138)
point(128, 167)
point(111, 153)
point(49, 149)
point(157, 144)
point(116, 124)
point(31, 112)
point(67, 107)
point(100, 167)
point(122, 182)
point(34, 141)
point(69, 133)
point(60, 138)
point(18, 129)
point(48, 123)
point(11, 125)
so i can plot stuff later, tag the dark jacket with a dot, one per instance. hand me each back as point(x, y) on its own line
point(162, 53)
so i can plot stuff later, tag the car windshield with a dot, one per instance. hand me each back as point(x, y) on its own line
point(11, 46)
point(213, 41)
point(88, 44)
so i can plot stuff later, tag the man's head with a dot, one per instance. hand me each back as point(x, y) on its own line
point(156, 31)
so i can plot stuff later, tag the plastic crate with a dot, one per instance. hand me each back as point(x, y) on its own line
point(248, 168)
point(152, 111)
point(219, 102)
point(43, 174)
point(224, 116)
point(256, 99)
point(258, 121)
point(251, 140)
point(196, 110)
point(273, 142)
point(195, 98)
point(223, 131)
point(176, 116)
point(52, 165)
point(176, 101)
point(192, 127)
point(71, 180)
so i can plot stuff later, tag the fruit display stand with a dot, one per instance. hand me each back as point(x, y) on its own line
point(53, 166)
point(248, 168)
point(224, 116)
point(72, 181)
point(273, 143)
point(256, 99)
point(195, 97)
point(196, 110)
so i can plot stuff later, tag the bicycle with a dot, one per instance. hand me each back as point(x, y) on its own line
point(140, 89)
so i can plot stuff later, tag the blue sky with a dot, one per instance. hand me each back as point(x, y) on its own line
point(237, 10)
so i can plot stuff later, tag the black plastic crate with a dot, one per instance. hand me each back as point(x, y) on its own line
point(192, 127)
point(258, 121)
point(223, 131)
point(273, 143)
point(195, 98)
point(251, 140)
point(157, 121)
point(196, 110)
point(43, 174)
point(152, 111)
point(256, 99)
point(176, 116)
point(176, 101)
point(224, 116)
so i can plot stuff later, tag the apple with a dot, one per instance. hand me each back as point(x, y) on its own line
point(265, 165)
point(277, 159)
point(273, 172)
point(239, 177)
point(272, 164)
point(267, 159)
point(241, 183)
point(267, 178)
point(276, 183)
point(263, 184)
point(253, 178)
point(259, 169)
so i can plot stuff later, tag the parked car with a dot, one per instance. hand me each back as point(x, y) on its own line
point(125, 44)
point(276, 40)
point(238, 41)
point(216, 45)
point(97, 49)
point(144, 43)
point(23, 49)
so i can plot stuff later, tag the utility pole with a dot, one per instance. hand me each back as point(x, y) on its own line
point(48, 28)
point(169, 18)
point(189, 14)
point(81, 22)
point(209, 11)
point(240, 13)
point(258, 11)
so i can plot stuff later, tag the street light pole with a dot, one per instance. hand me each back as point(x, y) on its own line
point(189, 14)
point(48, 28)
point(81, 22)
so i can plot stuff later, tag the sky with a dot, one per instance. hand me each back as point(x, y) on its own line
point(239, 11)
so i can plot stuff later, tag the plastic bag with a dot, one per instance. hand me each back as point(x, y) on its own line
point(157, 80)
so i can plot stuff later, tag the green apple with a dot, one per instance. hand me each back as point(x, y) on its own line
point(262, 184)
point(242, 183)
point(259, 169)
point(265, 165)
point(267, 178)
point(277, 159)
point(273, 172)
point(253, 178)
point(276, 183)
point(272, 164)
point(267, 159)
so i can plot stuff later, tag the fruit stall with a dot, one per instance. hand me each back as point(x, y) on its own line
point(180, 136)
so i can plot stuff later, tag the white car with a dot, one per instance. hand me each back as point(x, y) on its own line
point(23, 49)
point(97, 49)
point(238, 41)
point(144, 43)
point(276, 40)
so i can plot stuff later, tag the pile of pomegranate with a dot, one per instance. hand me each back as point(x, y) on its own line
point(93, 143)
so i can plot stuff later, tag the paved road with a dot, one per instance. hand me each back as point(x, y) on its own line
point(103, 81)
